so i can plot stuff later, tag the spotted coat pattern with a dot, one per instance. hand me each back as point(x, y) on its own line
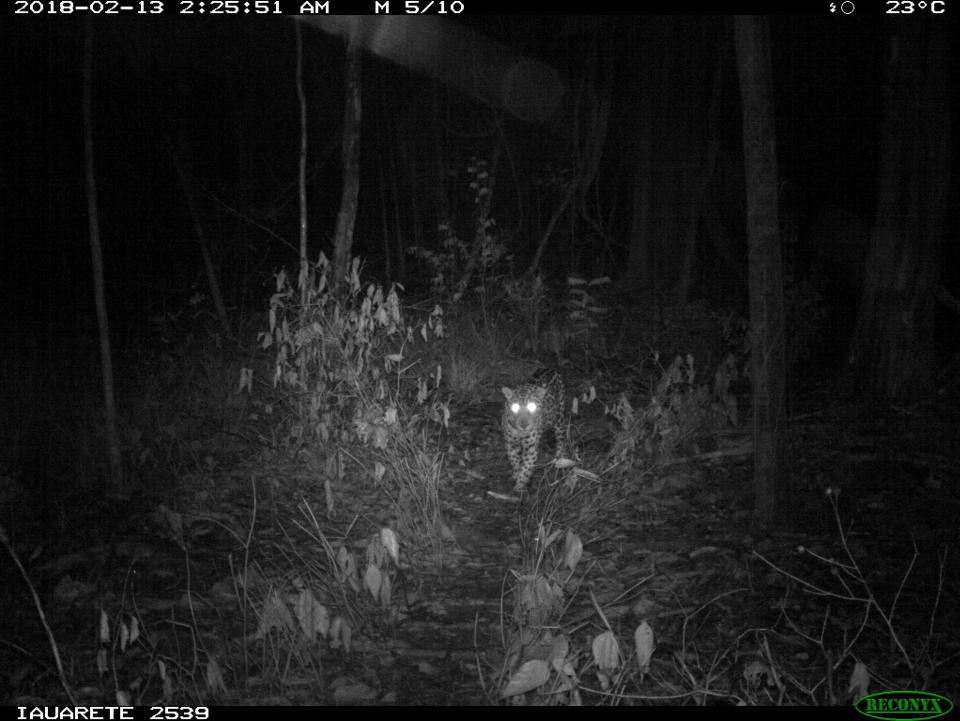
point(528, 411)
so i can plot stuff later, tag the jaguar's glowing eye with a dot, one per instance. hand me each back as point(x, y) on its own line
point(532, 407)
point(514, 408)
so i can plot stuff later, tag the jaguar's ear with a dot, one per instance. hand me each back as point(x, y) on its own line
point(507, 393)
point(539, 394)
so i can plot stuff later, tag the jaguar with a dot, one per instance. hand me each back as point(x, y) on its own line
point(529, 410)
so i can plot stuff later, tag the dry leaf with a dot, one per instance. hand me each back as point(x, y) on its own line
point(389, 540)
point(372, 580)
point(215, 683)
point(312, 615)
point(559, 648)
point(859, 681)
point(573, 550)
point(533, 674)
point(606, 652)
point(644, 642)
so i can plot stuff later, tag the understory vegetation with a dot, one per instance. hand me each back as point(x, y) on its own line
point(322, 515)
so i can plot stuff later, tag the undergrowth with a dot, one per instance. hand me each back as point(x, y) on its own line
point(572, 638)
point(354, 390)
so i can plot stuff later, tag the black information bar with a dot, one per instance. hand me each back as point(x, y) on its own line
point(840, 10)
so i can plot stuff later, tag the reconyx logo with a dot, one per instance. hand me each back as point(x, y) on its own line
point(912, 705)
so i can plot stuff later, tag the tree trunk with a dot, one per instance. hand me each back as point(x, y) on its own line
point(96, 256)
point(304, 274)
point(892, 350)
point(398, 215)
point(639, 257)
point(692, 223)
point(399, 230)
point(591, 122)
point(347, 216)
point(697, 198)
point(752, 35)
point(213, 282)
point(385, 229)
point(668, 153)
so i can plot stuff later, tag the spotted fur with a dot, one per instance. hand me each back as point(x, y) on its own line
point(528, 411)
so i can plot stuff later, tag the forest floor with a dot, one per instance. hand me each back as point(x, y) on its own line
point(200, 599)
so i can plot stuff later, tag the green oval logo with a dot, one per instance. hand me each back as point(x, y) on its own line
point(897, 705)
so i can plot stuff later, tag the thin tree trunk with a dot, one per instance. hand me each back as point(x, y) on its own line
point(639, 261)
point(439, 174)
point(304, 276)
point(697, 197)
point(186, 180)
point(347, 216)
point(397, 214)
point(411, 159)
point(398, 220)
point(639, 271)
point(692, 222)
point(385, 223)
point(768, 370)
point(96, 256)
point(551, 224)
